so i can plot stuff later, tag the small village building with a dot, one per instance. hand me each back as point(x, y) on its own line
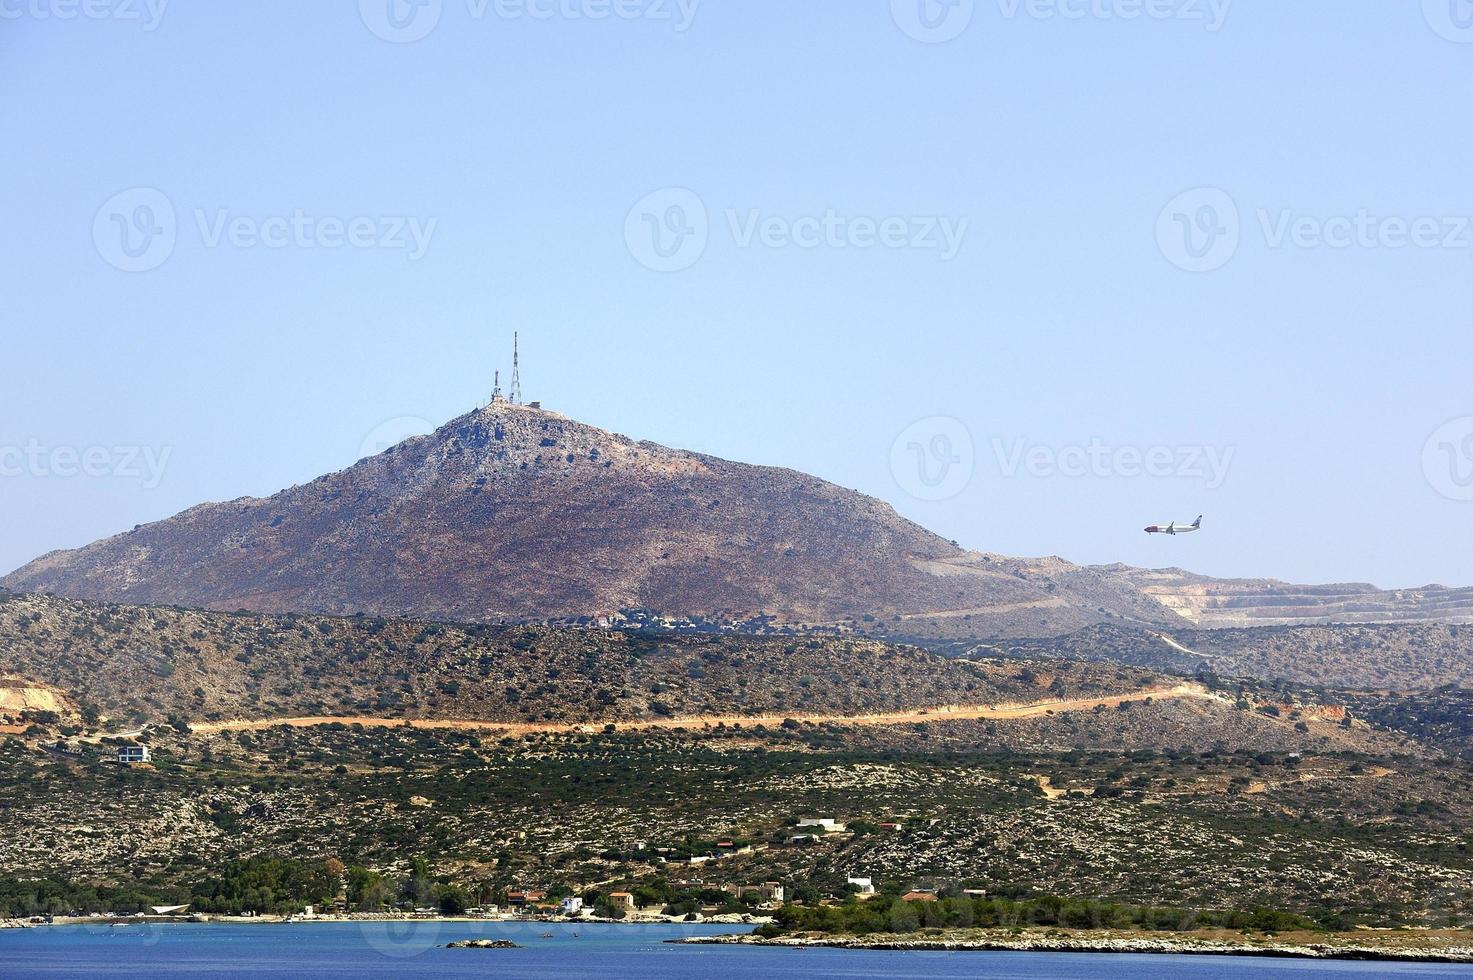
point(571, 905)
point(919, 897)
point(522, 899)
point(130, 754)
point(622, 900)
point(826, 824)
point(771, 892)
point(866, 886)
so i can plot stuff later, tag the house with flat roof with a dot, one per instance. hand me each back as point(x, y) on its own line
point(826, 824)
point(129, 754)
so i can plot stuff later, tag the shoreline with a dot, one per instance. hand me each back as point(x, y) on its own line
point(358, 918)
point(1337, 946)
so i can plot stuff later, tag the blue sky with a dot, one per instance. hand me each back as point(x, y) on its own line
point(212, 284)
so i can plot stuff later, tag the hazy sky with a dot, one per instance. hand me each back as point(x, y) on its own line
point(1038, 273)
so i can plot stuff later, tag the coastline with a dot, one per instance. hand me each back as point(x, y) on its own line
point(1389, 946)
point(358, 918)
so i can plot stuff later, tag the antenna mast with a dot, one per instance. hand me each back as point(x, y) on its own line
point(516, 372)
point(496, 391)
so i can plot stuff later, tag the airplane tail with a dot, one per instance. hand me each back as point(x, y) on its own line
point(1198, 521)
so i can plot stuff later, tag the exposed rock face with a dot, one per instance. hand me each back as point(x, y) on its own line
point(1215, 603)
point(516, 513)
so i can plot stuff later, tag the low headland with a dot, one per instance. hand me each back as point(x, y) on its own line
point(1398, 945)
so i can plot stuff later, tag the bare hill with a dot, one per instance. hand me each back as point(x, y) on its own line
point(514, 513)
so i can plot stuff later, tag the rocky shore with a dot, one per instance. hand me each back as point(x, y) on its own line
point(482, 944)
point(1407, 947)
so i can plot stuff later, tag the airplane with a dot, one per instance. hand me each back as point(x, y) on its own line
point(1173, 529)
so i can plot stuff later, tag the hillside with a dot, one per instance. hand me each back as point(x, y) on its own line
point(1220, 603)
point(147, 664)
point(1251, 819)
point(1081, 778)
point(1392, 656)
point(515, 513)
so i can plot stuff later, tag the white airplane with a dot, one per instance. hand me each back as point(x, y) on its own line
point(1173, 529)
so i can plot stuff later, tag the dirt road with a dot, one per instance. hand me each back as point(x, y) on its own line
point(909, 716)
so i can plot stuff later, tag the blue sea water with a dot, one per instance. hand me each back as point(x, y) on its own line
point(414, 951)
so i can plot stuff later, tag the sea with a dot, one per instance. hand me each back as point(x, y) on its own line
point(416, 951)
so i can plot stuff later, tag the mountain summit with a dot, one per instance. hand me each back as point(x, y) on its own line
point(514, 512)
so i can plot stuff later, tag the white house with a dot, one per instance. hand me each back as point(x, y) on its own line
point(129, 754)
point(571, 905)
point(866, 886)
point(827, 824)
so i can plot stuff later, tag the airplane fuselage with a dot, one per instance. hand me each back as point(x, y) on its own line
point(1173, 528)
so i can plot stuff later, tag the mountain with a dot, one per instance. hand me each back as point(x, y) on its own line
point(516, 513)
